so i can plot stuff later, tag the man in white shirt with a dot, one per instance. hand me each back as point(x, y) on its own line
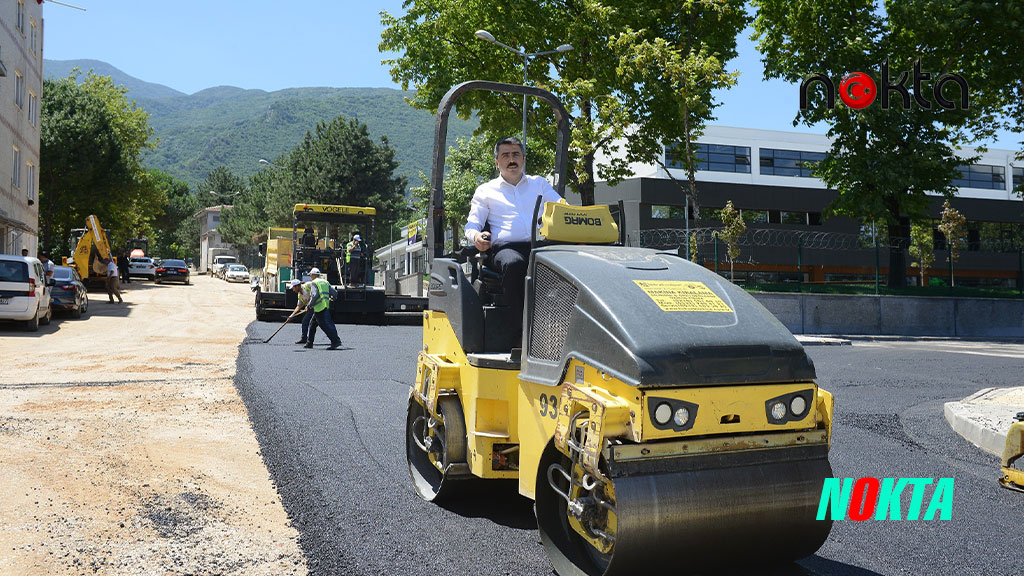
point(112, 289)
point(48, 265)
point(506, 204)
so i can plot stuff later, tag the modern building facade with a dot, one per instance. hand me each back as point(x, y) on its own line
point(210, 242)
point(21, 87)
point(762, 172)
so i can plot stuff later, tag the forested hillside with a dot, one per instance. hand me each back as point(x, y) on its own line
point(233, 127)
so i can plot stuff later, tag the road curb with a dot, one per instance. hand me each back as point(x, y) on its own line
point(981, 421)
point(822, 340)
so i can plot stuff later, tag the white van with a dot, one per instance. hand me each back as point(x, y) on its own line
point(220, 262)
point(24, 291)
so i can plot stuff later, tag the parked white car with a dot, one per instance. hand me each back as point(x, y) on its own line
point(24, 291)
point(141, 267)
point(236, 273)
point(220, 263)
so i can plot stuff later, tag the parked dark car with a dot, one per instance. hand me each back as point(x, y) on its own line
point(69, 292)
point(172, 271)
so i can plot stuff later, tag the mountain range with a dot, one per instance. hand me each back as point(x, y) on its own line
point(235, 127)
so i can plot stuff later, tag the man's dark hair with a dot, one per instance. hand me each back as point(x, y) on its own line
point(509, 140)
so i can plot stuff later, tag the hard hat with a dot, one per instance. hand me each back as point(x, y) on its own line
point(294, 282)
point(356, 237)
point(314, 272)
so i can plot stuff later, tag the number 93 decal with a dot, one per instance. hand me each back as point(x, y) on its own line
point(549, 406)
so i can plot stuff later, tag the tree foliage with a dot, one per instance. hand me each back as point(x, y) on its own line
point(642, 69)
point(883, 163)
point(91, 144)
point(176, 231)
point(337, 163)
point(953, 226)
point(468, 164)
point(922, 247)
point(733, 227)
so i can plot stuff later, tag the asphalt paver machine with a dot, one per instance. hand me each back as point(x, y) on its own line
point(662, 420)
point(320, 233)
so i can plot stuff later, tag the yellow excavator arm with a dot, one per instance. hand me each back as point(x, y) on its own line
point(91, 250)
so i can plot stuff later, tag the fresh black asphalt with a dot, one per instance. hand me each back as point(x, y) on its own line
point(331, 431)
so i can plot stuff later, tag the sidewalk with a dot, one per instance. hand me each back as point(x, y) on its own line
point(984, 417)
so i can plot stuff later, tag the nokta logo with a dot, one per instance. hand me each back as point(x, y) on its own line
point(858, 90)
point(863, 498)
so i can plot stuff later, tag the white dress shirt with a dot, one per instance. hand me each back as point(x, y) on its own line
point(507, 208)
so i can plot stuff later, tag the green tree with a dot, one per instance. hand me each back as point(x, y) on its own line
point(733, 227)
point(602, 82)
point(883, 163)
point(670, 68)
point(176, 231)
point(337, 163)
point(468, 164)
point(91, 144)
point(953, 226)
point(922, 247)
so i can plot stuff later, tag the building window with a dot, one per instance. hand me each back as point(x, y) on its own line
point(1018, 179)
point(754, 216)
point(30, 183)
point(21, 16)
point(788, 162)
point(19, 90)
point(667, 212)
point(794, 218)
point(981, 176)
point(32, 38)
point(711, 157)
point(33, 108)
point(16, 173)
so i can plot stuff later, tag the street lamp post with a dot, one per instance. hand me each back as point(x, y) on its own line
point(526, 56)
point(271, 164)
point(226, 193)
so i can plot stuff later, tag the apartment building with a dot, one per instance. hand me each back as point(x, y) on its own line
point(210, 242)
point(763, 173)
point(21, 87)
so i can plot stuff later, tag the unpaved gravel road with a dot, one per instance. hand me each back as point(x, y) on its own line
point(124, 447)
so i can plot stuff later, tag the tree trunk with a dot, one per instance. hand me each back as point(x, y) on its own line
point(587, 192)
point(898, 238)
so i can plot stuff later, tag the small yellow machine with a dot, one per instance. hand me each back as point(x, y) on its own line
point(89, 252)
point(1013, 477)
point(659, 416)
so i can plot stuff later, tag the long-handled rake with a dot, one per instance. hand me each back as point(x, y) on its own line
point(287, 320)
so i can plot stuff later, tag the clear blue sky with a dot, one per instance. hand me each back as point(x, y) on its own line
point(190, 45)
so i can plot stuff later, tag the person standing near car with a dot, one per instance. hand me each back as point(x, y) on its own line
point(48, 266)
point(124, 267)
point(112, 289)
point(320, 304)
point(308, 318)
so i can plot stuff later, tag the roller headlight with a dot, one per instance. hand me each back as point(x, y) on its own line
point(662, 413)
point(681, 417)
point(798, 405)
point(778, 410)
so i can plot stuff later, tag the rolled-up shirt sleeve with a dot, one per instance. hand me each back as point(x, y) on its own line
point(477, 217)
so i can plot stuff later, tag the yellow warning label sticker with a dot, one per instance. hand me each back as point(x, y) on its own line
point(677, 296)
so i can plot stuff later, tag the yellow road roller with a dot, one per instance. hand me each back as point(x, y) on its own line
point(660, 418)
point(1013, 475)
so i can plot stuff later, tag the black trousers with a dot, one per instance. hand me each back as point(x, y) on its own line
point(511, 260)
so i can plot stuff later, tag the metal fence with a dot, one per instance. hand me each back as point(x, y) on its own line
point(765, 248)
